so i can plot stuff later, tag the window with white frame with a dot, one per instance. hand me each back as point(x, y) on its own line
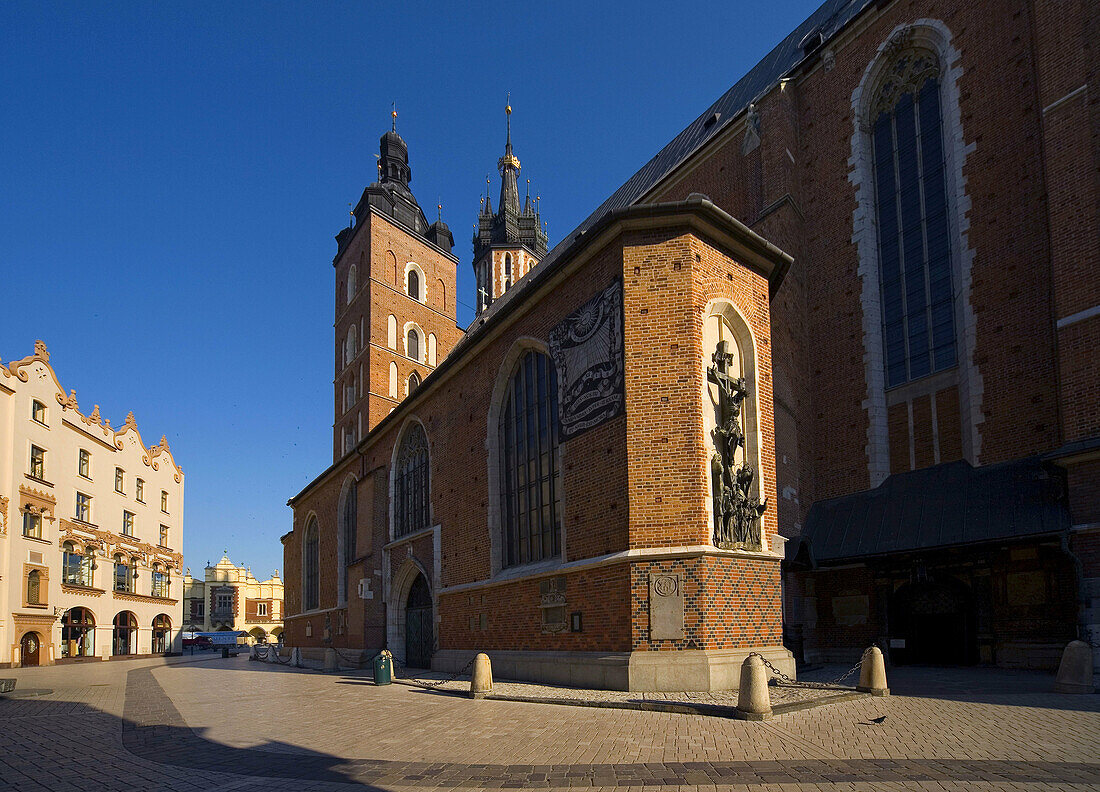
point(139, 493)
point(38, 463)
point(83, 510)
point(127, 523)
point(38, 412)
point(120, 480)
point(84, 464)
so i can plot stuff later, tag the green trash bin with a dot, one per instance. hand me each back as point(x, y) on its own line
point(383, 668)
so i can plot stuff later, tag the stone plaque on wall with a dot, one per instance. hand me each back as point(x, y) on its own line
point(666, 606)
point(587, 350)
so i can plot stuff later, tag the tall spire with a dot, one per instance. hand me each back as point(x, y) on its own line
point(509, 168)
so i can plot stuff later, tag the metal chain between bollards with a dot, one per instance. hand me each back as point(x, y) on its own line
point(782, 679)
point(439, 683)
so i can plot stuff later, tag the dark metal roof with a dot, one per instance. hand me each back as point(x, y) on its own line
point(824, 23)
point(949, 504)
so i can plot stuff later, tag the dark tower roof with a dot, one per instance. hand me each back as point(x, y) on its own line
point(391, 196)
point(510, 225)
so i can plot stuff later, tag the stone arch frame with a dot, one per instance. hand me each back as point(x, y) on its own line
point(519, 348)
point(341, 551)
point(44, 650)
point(311, 520)
point(422, 339)
point(353, 282)
point(934, 35)
point(412, 266)
point(400, 586)
point(727, 310)
point(390, 528)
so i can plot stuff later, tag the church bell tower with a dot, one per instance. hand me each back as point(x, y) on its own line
point(510, 242)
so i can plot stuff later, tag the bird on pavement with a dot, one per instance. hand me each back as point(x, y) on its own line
point(879, 719)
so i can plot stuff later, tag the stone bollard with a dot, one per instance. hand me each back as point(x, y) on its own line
point(331, 664)
point(754, 702)
point(252, 654)
point(296, 657)
point(481, 682)
point(272, 656)
point(872, 673)
point(1075, 670)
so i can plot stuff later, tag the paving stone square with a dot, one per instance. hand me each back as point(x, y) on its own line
point(231, 724)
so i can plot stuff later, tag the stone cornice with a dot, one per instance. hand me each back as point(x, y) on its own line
point(132, 597)
point(72, 588)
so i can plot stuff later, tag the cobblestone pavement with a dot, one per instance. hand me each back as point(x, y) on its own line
point(235, 725)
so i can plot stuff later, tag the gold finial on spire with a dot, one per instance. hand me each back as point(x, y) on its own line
point(508, 104)
point(394, 114)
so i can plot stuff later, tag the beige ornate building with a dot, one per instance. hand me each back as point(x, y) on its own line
point(90, 519)
point(231, 598)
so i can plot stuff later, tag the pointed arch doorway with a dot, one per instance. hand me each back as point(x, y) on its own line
point(418, 625)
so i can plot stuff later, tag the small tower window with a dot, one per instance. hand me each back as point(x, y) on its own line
point(414, 382)
point(414, 284)
point(413, 344)
point(507, 271)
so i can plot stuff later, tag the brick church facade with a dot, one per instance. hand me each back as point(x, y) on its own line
point(887, 231)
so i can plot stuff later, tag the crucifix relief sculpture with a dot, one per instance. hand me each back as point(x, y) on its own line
point(736, 511)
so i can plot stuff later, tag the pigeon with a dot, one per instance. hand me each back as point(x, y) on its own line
point(879, 719)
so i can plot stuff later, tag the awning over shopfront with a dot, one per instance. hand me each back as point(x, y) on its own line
point(947, 505)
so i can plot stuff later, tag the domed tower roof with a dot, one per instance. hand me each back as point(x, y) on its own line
point(439, 234)
point(394, 162)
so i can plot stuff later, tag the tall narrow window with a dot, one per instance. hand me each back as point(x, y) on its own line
point(414, 382)
point(913, 234)
point(414, 284)
point(38, 463)
point(119, 480)
point(124, 575)
point(164, 536)
point(34, 587)
point(311, 573)
point(76, 567)
point(413, 344)
point(32, 523)
point(38, 411)
point(139, 493)
point(127, 523)
point(162, 633)
point(353, 283)
point(160, 581)
point(83, 510)
point(530, 484)
point(348, 531)
point(84, 464)
point(164, 501)
point(507, 271)
point(411, 483)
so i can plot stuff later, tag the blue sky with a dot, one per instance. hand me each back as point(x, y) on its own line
point(172, 176)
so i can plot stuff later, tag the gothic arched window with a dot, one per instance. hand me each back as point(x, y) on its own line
point(530, 485)
point(918, 322)
point(353, 283)
point(411, 483)
point(311, 573)
point(34, 587)
point(507, 271)
point(413, 344)
point(414, 284)
point(414, 382)
point(348, 530)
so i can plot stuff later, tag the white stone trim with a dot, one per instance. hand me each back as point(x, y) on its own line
point(1080, 316)
point(422, 341)
point(410, 266)
point(934, 35)
point(533, 571)
point(724, 309)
